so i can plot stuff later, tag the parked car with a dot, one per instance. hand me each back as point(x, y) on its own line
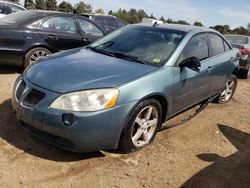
point(151, 20)
point(8, 8)
point(107, 22)
point(243, 44)
point(28, 36)
point(117, 91)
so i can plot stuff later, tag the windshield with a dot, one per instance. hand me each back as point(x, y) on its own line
point(19, 17)
point(237, 39)
point(151, 45)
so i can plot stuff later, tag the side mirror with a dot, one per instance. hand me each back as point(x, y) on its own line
point(244, 60)
point(192, 63)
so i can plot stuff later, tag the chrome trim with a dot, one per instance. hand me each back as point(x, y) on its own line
point(16, 87)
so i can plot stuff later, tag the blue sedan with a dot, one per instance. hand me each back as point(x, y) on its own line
point(117, 91)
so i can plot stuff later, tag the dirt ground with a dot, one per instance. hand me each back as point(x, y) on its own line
point(212, 150)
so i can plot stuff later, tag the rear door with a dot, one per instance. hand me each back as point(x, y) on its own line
point(192, 86)
point(61, 33)
point(90, 32)
point(220, 55)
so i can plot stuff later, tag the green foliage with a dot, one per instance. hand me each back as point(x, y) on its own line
point(40, 4)
point(241, 31)
point(99, 11)
point(65, 7)
point(198, 24)
point(163, 19)
point(248, 26)
point(121, 14)
point(170, 21)
point(29, 4)
point(183, 22)
point(110, 12)
point(225, 29)
point(51, 5)
point(132, 16)
point(152, 16)
point(142, 14)
point(81, 7)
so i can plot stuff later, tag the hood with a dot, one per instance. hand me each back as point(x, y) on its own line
point(81, 69)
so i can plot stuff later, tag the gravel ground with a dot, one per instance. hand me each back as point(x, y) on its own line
point(212, 150)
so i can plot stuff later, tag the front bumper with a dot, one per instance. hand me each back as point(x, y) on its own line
point(91, 131)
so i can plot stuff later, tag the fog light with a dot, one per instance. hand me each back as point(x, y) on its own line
point(68, 119)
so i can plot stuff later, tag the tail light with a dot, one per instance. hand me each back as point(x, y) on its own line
point(244, 51)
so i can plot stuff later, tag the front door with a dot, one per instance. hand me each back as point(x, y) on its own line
point(192, 86)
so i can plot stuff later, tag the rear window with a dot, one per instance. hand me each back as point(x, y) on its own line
point(217, 44)
point(237, 39)
point(19, 17)
point(119, 23)
point(99, 20)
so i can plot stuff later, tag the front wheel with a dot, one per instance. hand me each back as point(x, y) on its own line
point(228, 91)
point(141, 126)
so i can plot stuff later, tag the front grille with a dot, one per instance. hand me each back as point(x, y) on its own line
point(56, 140)
point(32, 98)
point(20, 88)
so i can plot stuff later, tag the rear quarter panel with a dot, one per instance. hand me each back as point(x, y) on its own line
point(12, 43)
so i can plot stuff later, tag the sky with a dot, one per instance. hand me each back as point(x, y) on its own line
point(210, 12)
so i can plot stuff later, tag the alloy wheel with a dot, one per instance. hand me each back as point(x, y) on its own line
point(144, 126)
point(228, 92)
point(38, 55)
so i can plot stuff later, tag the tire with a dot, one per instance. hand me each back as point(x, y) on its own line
point(35, 54)
point(141, 126)
point(229, 90)
point(243, 74)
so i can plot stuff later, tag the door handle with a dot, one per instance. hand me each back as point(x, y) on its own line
point(86, 40)
point(52, 37)
point(209, 69)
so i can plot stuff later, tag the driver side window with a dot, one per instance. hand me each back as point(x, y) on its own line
point(196, 47)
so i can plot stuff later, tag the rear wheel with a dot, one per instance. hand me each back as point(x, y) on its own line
point(141, 126)
point(34, 55)
point(228, 91)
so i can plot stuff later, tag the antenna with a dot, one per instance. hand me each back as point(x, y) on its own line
point(155, 24)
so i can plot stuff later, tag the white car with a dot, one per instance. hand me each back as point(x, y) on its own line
point(8, 8)
point(150, 20)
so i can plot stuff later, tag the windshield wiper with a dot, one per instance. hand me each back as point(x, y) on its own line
point(101, 51)
point(119, 55)
point(130, 57)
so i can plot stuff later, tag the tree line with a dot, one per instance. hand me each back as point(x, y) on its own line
point(131, 16)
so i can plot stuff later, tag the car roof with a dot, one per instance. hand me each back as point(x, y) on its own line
point(179, 27)
point(7, 2)
point(49, 12)
point(95, 14)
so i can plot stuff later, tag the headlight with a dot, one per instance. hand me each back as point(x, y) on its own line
point(86, 101)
